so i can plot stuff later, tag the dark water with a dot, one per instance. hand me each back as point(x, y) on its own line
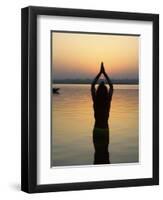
point(73, 121)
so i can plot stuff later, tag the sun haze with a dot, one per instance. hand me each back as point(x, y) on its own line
point(78, 55)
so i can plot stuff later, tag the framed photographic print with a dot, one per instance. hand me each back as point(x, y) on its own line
point(90, 99)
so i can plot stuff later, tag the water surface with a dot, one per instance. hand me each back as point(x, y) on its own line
point(73, 122)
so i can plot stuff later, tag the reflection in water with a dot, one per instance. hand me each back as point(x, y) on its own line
point(101, 143)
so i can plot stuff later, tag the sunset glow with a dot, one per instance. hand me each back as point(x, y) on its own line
point(76, 55)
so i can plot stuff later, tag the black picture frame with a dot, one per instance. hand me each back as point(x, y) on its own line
point(29, 99)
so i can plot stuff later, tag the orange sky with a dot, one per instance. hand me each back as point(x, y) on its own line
point(77, 55)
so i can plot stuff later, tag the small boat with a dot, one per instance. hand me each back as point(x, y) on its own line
point(55, 90)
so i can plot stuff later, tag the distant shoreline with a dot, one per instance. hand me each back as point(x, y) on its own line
point(90, 83)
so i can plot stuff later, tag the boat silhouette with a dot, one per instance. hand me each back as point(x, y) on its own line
point(56, 90)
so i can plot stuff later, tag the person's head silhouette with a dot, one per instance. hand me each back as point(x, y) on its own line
point(102, 92)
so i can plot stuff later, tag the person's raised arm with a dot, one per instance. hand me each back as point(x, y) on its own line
point(107, 78)
point(93, 90)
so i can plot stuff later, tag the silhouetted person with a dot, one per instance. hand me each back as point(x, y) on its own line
point(101, 104)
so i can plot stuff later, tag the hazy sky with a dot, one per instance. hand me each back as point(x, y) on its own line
point(77, 55)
